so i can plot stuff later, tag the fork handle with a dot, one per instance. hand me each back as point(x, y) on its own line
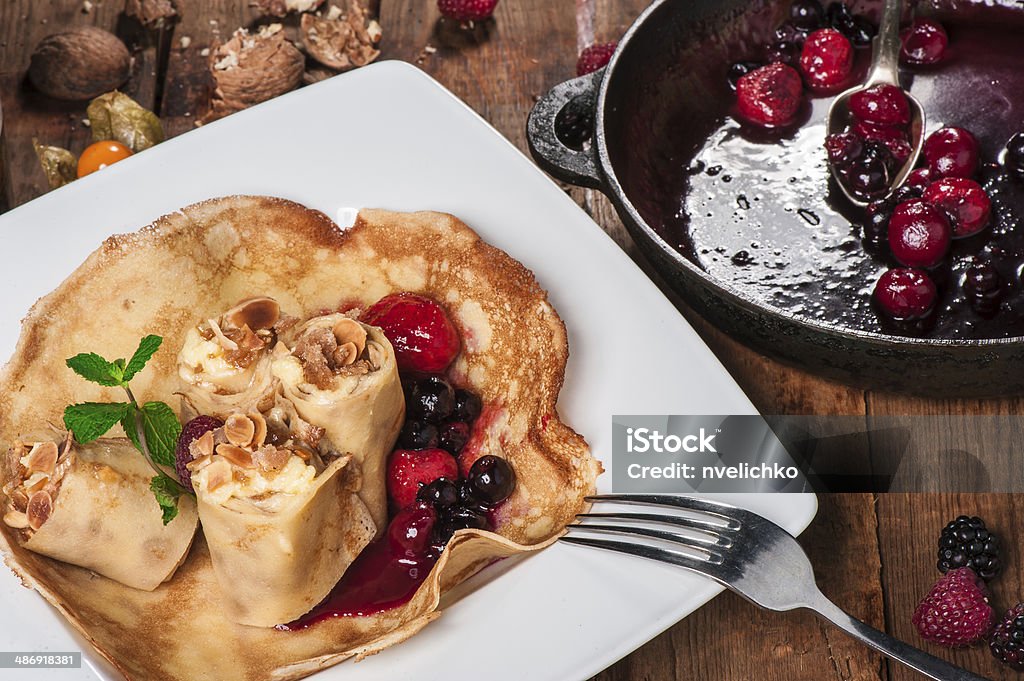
point(918, 660)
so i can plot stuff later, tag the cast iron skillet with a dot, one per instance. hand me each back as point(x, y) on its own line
point(650, 65)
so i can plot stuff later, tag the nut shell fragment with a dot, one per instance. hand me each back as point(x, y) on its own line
point(152, 13)
point(40, 506)
point(79, 64)
point(279, 8)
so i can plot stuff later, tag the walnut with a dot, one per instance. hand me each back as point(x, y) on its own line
point(341, 41)
point(252, 68)
point(79, 64)
point(279, 8)
point(152, 13)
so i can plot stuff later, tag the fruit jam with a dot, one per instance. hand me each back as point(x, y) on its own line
point(763, 214)
point(378, 580)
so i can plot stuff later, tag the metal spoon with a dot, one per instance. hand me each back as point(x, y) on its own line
point(884, 69)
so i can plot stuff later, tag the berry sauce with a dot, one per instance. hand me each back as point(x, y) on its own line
point(761, 212)
point(378, 580)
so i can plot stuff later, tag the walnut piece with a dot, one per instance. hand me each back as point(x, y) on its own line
point(151, 13)
point(78, 64)
point(341, 42)
point(252, 68)
point(279, 8)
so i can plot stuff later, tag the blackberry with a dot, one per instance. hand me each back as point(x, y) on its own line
point(740, 69)
point(966, 542)
point(984, 288)
point(467, 405)
point(453, 436)
point(418, 435)
point(1007, 640)
point(431, 399)
point(807, 14)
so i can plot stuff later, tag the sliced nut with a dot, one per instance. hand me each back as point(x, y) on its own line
point(202, 445)
point(350, 331)
point(256, 313)
point(16, 519)
point(218, 474)
point(375, 355)
point(236, 455)
point(199, 463)
point(239, 430)
point(271, 458)
point(346, 354)
point(223, 340)
point(42, 457)
point(259, 436)
point(40, 506)
point(341, 41)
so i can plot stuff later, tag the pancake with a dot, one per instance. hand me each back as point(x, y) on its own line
point(198, 262)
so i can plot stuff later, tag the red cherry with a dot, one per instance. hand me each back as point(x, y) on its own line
point(419, 329)
point(769, 96)
point(826, 59)
point(904, 293)
point(924, 42)
point(920, 177)
point(410, 469)
point(881, 105)
point(919, 234)
point(965, 200)
point(409, 531)
point(951, 152)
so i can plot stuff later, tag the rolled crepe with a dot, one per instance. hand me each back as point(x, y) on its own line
point(341, 376)
point(90, 505)
point(282, 527)
point(225, 362)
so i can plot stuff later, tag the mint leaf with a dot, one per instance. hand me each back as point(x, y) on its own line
point(92, 367)
point(90, 420)
point(166, 492)
point(161, 427)
point(147, 347)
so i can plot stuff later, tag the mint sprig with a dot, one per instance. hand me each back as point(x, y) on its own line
point(152, 427)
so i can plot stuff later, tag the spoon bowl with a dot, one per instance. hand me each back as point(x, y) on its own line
point(884, 70)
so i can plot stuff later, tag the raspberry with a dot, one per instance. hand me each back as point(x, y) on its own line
point(192, 431)
point(410, 469)
point(966, 542)
point(595, 57)
point(467, 10)
point(419, 329)
point(905, 294)
point(769, 96)
point(827, 59)
point(964, 200)
point(410, 531)
point(1007, 642)
point(955, 613)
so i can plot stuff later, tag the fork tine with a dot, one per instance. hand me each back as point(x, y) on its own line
point(705, 527)
point(729, 514)
point(701, 545)
point(701, 567)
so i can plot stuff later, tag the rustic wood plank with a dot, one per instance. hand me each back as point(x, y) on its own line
point(498, 67)
point(909, 526)
point(28, 114)
point(730, 639)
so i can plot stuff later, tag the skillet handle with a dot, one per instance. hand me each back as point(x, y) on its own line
point(566, 164)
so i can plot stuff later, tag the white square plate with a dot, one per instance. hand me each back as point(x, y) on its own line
point(388, 136)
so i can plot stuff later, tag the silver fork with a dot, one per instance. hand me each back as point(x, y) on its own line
point(747, 553)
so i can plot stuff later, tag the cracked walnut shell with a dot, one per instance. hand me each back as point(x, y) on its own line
point(341, 41)
point(252, 68)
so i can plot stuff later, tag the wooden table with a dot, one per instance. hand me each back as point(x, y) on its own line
point(874, 554)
